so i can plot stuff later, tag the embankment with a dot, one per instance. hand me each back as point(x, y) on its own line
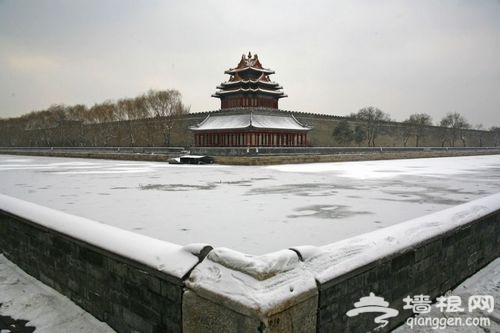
point(252, 156)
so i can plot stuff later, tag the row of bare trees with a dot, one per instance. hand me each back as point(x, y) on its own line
point(369, 121)
point(166, 105)
point(372, 119)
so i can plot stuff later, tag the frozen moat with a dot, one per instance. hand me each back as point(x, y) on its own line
point(251, 209)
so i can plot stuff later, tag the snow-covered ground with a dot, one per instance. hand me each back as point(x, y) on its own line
point(484, 282)
point(24, 297)
point(250, 209)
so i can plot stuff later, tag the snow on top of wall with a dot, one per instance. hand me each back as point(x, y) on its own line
point(167, 257)
point(261, 267)
point(264, 285)
point(252, 285)
point(333, 260)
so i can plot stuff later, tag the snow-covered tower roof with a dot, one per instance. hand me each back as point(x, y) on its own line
point(249, 85)
point(250, 120)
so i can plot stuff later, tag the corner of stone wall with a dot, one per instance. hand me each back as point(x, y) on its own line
point(232, 292)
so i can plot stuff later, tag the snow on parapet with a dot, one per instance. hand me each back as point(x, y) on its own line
point(333, 260)
point(252, 285)
point(260, 268)
point(167, 257)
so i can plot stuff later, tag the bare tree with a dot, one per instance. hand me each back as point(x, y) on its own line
point(55, 117)
point(479, 134)
point(63, 125)
point(129, 110)
point(418, 122)
point(76, 112)
point(140, 107)
point(372, 118)
point(166, 105)
point(456, 123)
point(405, 132)
point(496, 131)
point(102, 113)
point(75, 116)
point(50, 118)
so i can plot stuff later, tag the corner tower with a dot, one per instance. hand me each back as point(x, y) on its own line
point(249, 85)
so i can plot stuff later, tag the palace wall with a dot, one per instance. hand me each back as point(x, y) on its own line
point(391, 134)
point(151, 132)
point(138, 284)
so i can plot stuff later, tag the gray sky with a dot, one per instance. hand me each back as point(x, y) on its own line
point(331, 57)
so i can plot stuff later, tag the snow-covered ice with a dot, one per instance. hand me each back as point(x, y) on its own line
point(257, 209)
point(24, 297)
point(333, 260)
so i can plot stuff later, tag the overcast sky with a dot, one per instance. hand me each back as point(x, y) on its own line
point(331, 57)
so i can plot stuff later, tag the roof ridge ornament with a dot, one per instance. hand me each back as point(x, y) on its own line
point(242, 63)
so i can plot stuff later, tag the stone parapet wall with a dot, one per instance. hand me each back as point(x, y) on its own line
point(126, 292)
point(139, 284)
point(431, 268)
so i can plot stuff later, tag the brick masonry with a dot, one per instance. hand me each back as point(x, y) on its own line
point(127, 295)
point(432, 268)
